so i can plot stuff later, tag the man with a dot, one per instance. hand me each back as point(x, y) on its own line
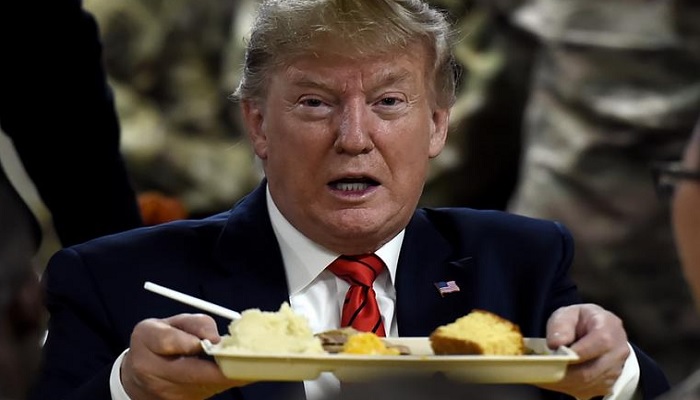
point(345, 118)
point(615, 87)
point(682, 180)
point(64, 145)
point(22, 316)
point(61, 146)
point(686, 218)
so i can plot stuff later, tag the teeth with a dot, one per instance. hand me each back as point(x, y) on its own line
point(350, 187)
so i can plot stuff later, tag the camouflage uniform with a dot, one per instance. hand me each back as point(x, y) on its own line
point(479, 165)
point(617, 86)
point(171, 64)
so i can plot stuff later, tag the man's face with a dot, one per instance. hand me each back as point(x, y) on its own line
point(686, 218)
point(346, 144)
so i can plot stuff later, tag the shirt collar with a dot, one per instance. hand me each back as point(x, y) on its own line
point(304, 260)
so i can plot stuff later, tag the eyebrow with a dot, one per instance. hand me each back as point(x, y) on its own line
point(384, 78)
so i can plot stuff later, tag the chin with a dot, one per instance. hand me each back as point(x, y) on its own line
point(358, 239)
point(358, 222)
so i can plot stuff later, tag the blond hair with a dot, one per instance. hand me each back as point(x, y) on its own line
point(285, 29)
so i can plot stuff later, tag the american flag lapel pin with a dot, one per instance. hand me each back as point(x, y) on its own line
point(446, 287)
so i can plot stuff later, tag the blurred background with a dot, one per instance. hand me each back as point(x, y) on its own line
point(563, 107)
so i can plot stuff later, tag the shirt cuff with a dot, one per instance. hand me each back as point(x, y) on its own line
point(626, 385)
point(115, 381)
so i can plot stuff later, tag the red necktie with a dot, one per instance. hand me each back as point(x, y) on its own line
point(360, 309)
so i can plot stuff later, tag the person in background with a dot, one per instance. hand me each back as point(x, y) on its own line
point(686, 210)
point(615, 88)
point(169, 64)
point(681, 180)
point(57, 109)
point(22, 316)
point(345, 119)
point(495, 57)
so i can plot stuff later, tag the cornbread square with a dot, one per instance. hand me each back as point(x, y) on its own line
point(479, 332)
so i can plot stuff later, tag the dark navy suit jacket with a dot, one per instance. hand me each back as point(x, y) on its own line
point(514, 266)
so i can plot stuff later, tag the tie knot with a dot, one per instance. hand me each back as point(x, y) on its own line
point(357, 270)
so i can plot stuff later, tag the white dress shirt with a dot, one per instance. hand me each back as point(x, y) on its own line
point(318, 295)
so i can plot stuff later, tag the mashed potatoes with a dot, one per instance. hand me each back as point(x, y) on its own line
point(264, 332)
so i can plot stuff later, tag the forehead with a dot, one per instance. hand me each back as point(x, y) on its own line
point(330, 69)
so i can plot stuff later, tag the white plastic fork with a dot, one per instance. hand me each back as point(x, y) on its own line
point(191, 300)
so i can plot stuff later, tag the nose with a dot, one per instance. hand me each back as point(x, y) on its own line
point(354, 129)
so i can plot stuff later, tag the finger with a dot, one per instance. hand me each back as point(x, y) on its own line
point(159, 360)
point(192, 370)
point(200, 325)
point(602, 336)
point(596, 376)
point(561, 327)
point(585, 380)
point(173, 377)
point(166, 338)
point(195, 372)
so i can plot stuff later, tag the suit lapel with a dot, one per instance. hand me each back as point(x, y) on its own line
point(251, 276)
point(427, 258)
point(251, 270)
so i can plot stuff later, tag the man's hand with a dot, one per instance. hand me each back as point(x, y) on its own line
point(162, 361)
point(598, 337)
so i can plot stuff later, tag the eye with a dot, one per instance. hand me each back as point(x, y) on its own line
point(390, 105)
point(389, 101)
point(311, 102)
point(313, 107)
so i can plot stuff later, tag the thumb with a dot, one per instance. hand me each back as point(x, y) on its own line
point(561, 327)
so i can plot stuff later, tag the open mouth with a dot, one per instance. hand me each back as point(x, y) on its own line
point(353, 184)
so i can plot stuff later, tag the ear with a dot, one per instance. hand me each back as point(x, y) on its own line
point(26, 310)
point(254, 118)
point(438, 136)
